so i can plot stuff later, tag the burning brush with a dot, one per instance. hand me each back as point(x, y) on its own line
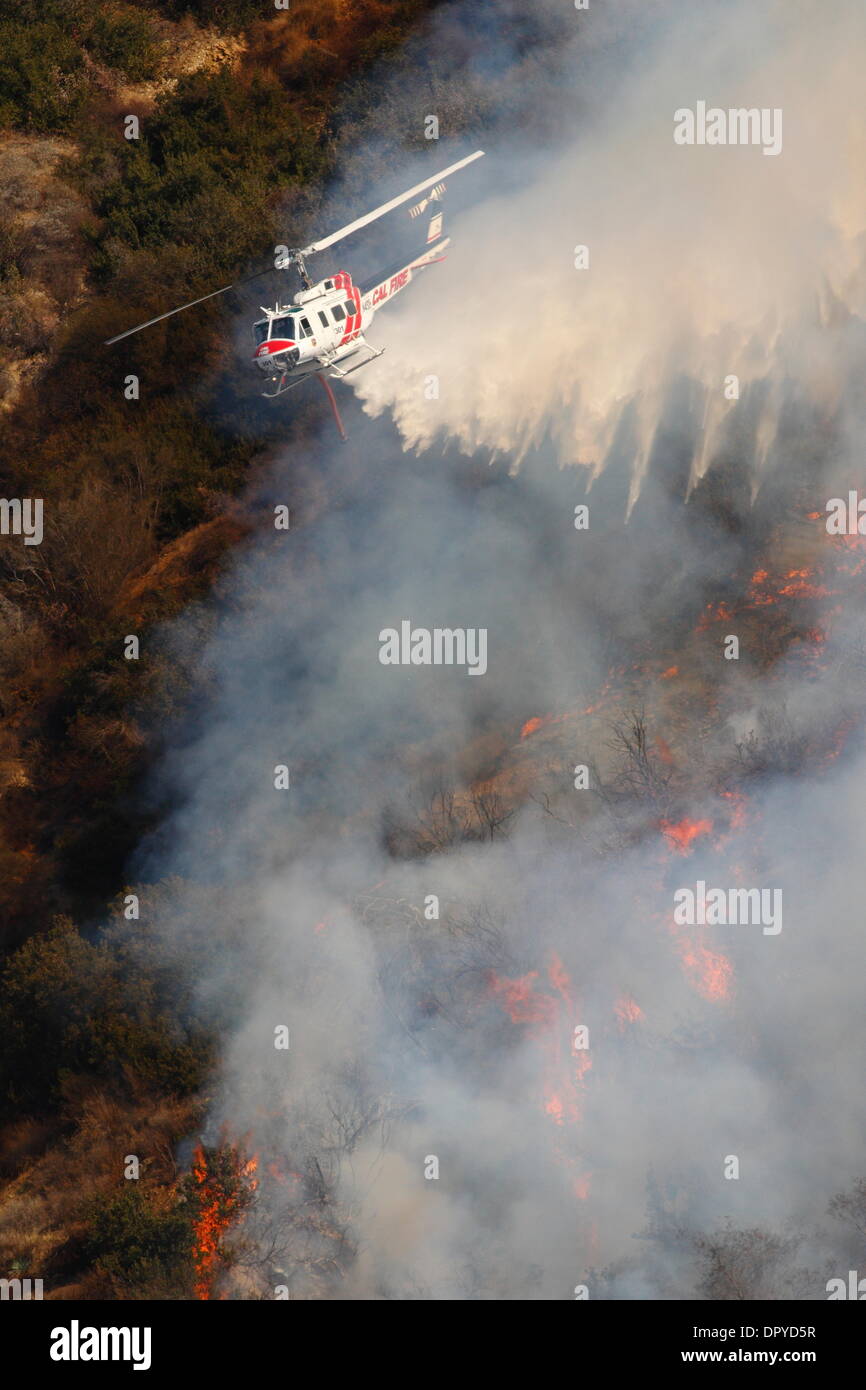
point(219, 1188)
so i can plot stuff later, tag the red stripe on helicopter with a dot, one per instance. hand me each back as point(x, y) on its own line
point(353, 321)
point(275, 345)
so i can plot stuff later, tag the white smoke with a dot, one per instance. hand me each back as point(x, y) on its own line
point(706, 261)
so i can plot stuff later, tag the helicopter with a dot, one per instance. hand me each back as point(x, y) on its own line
point(321, 331)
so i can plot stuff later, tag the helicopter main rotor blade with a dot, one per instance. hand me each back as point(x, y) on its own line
point(191, 305)
point(388, 207)
point(139, 326)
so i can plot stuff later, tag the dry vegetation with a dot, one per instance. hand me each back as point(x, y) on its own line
point(235, 114)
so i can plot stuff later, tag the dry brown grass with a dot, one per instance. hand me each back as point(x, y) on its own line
point(43, 275)
point(43, 1209)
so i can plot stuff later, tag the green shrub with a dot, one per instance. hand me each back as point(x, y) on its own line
point(44, 81)
point(137, 1246)
point(126, 42)
point(209, 164)
point(42, 84)
point(219, 14)
point(69, 1006)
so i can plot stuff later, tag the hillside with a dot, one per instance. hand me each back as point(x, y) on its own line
point(237, 116)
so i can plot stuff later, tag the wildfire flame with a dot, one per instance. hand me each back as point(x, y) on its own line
point(664, 751)
point(627, 1011)
point(738, 806)
point(551, 1019)
point(680, 834)
point(521, 1001)
point(222, 1183)
point(763, 590)
point(715, 613)
point(710, 972)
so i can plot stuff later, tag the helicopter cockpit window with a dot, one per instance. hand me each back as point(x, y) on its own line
point(283, 328)
point(260, 332)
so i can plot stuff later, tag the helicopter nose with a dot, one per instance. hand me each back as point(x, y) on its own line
point(270, 360)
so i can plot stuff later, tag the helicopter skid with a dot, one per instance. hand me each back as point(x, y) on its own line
point(283, 385)
point(291, 379)
point(340, 373)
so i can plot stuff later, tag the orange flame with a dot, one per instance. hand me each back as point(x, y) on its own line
point(221, 1183)
point(663, 750)
point(551, 1020)
point(681, 833)
point(627, 1011)
point(520, 1000)
point(710, 972)
point(714, 613)
point(799, 587)
point(738, 804)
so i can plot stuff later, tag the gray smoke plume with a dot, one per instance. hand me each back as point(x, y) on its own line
point(710, 261)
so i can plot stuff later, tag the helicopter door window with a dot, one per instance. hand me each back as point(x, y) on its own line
point(306, 330)
point(350, 308)
point(323, 319)
point(337, 311)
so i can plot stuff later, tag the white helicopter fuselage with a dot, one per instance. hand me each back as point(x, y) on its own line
point(325, 324)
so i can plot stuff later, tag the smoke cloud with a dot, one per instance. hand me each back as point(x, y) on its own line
point(710, 261)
